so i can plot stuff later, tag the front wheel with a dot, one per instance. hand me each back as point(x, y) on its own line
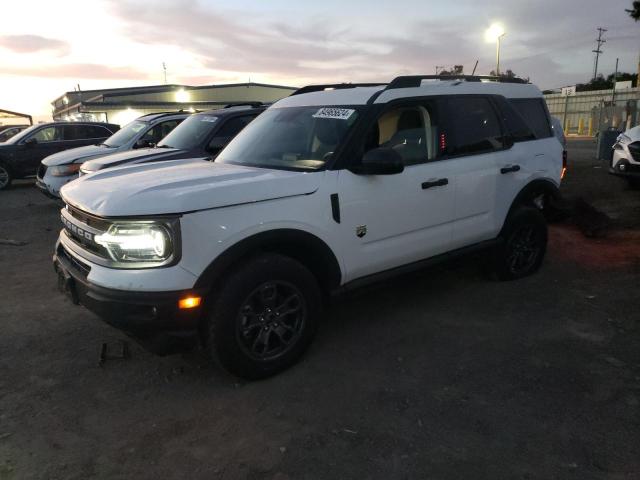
point(523, 244)
point(5, 177)
point(263, 316)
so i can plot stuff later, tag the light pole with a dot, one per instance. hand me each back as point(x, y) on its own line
point(498, 54)
point(495, 34)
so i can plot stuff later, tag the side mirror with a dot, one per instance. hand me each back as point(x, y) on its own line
point(142, 143)
point(380, 161)
point(217, 144)
point(31, 141)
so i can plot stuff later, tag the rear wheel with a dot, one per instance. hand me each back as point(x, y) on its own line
point(263, 317)
point(523, 244)
point(5, 177)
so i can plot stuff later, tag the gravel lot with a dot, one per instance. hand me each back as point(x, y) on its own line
point(441, 375)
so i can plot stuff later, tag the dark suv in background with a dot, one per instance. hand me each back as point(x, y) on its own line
point(20, 156)
point(8, 131)
point(202, 135)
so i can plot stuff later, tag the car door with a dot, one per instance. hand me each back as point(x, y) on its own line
point(391, 220)
point(474, 142)
point(538, 155)
point(40, 144)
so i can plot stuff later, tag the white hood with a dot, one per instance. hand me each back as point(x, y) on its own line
point(633, 134)
point(73, 155)
point(182, 186)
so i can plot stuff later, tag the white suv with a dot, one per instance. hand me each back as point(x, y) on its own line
point(330, 188)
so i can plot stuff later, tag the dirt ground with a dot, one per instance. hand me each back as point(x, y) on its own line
point(440, 375)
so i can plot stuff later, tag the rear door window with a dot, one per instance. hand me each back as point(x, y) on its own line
point(516, 125)
point(534, 113)
point(473, 126)
point(96, 131)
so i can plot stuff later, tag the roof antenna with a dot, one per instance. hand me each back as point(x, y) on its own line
point(474, 68)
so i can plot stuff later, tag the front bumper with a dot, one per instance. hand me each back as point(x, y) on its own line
point(624, 168)
point(152, 318)
point(50, 185)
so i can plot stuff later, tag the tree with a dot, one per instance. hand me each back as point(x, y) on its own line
point(507, 74)
point(602, 83)
point(456, 70)
point(635, 10)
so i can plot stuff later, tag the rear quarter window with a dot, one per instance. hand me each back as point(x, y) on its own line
point(533, 111)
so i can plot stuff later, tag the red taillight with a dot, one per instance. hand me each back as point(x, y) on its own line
point(564, 164)
point(443, 142)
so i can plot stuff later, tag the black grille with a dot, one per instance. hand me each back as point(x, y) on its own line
point(634, 148)
point(77, 265)
point(42, 169)
point(89, 220)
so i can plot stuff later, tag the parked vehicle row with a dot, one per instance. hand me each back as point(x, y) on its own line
point(8, 131)
point(331, 188)
point(202, 135)
point(20, 155)
point(63, 167)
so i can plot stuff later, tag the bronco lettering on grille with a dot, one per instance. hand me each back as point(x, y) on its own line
point(76, 230)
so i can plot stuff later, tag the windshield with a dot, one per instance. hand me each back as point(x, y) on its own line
point(125, 134)
point(296, 138)
point(190, 133)
point(20, 135)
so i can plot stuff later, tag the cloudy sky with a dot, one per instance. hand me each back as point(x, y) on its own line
point(46, 48)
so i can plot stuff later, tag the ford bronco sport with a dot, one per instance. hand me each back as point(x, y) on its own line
point(330, 188)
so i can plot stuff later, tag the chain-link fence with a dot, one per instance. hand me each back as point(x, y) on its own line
point(587, 113)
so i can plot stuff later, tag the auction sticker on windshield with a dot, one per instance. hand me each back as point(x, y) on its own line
point(335, 113)
point(209, 119)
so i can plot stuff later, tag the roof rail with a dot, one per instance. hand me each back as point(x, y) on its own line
point(161, 114)
point(333, 86)
point(244, 104)
point(412, 81)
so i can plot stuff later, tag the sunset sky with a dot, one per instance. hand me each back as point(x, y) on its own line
point(46, 48)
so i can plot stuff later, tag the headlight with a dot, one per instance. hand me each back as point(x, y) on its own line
point(64, 170)
point(137, 243)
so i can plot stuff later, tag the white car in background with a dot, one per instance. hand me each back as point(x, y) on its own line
point(626, 156)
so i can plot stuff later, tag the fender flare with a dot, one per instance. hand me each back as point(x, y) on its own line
point(302, 246)
point(532, 190)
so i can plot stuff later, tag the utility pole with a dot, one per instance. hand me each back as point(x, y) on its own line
point(164, 69)
point(597, 51)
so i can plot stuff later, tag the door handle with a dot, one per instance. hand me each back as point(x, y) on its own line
point(510, 168)
point(441, 182)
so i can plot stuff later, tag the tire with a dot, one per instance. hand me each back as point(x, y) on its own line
point(523, 244)
point(246, 331)
point(5, 177)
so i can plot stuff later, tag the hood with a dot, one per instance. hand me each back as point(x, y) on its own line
point(633, 134)
point(128, 156)
point(182, 186)
point(75, 154)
